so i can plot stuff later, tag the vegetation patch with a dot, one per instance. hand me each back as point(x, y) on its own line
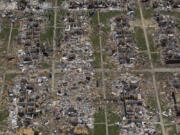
point(153, 48)
point(4, 34)
point(100, 129)
point(171, 13)
point(148, 13)
point(137, 14)
point(99, 116)
point(171, 130)
point(10, 76)
point(94, 37)
point(113, 118)
point(109, 65)
point(60, 2)
point(45, 65)
point(60, 14)
point(97, 60)
point(156, 59)
point(3, 115)
point(152, 103)
point(139, 38)
point(48, 35)
point(104, 19)
point(14, 32)
point(114, 130)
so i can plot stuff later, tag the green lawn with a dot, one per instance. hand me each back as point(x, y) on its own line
point(113, 118)
point(139, 37)
point(171, 130)
point(14, 32)
point(97, 59)
point(3, 115)
point(48, 35)
point(60, 14)
point(104, 19)
point(156, 59)
point(4, 34)
point(110, 65)
point(10, 76)
point(114, 130)
point(95, 40)
point(94, 37)
point(148, 13)
point(100, 129)
point(58, 32)
point(153, 48)
point(49, 14)
point(45, 65)
point(137, 13)
point(99, 117)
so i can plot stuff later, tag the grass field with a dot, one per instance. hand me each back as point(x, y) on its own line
point(139, 38)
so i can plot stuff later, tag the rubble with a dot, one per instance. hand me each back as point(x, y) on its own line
point(75, 46)
point(166, 37)
point(55, 87)
point(121, 5)
point(123, 49)
point(31, 97)
point(165, 5)
point(8, 6)
point(169, 94)
point(75, 88)
point(130, 94)
point(32, 51)
point(75, 98)
point(26, 99)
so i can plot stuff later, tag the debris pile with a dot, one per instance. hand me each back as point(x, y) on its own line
point(165, 4)
point(74, 107)
point(28, 98)
point(136, 117)
point(31, 52)
point(75, 99)
point(123, 49)
point(122, 5)
point(75, 47)
point(166, 38)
